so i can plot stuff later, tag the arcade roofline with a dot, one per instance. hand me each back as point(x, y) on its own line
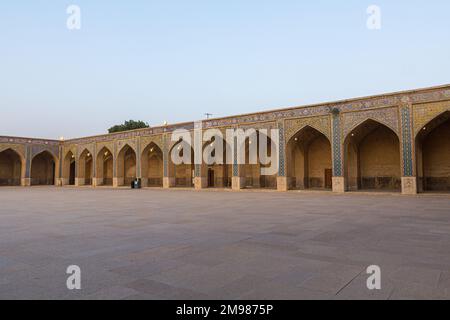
point(209, 122)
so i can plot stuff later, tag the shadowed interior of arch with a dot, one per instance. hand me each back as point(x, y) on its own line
point(105, 162)
point(372, 158)
point(85, 168)
point(183, 174)
point(308, 157)
point(152, 167)
point(217, 175)
point(433, 155)
point(10, 168)
point(69, 169)
point(43, 169)
point(126, 166)
point(251, 172)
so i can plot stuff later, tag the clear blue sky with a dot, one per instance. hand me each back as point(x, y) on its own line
point(175, 60)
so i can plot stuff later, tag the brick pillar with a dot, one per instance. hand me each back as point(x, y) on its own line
point(237, 182)
point(79, 167)
point(200, 169)
point(138, 158)
point(94, 165)
point(60, 180)
point(26, 180)
point(116, 181)
point(409, 179)
point(168, 182)
point(200, 180)
point(282, 183)
point(339, 183)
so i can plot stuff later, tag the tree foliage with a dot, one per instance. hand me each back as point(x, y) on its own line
point(128, 125)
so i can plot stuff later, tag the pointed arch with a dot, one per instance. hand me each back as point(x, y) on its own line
point(85, 171)
point(308, 156)
point(251, 170)
point(321, 124)
point(432, 145)
point(104, 167)
point(126, 168)
point(69, 168)
point(152, 166)
point(432, 124)
point(425, 113)
point(181, 175)
point(147, 141)
point(361, 123)
point(12, 167)
point(372, 157)
point(172, 143)
point(219, 173)
point(38, 150)
point(43, 168)
point(20, 150)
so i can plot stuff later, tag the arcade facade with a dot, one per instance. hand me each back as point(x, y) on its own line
point(392, 142)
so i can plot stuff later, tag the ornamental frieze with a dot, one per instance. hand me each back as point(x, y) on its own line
point(130, 142)
point(375, 102)
point(19, 148)
point(424, 113)
point(425, 96)
point(83, 147)
point(171, 143)
point(386, 116)
point(258, 126)
point(70, 148)
point(157, 139)
point(29, 141)
point(321, 124)
point(52, 149)
point(108, 145)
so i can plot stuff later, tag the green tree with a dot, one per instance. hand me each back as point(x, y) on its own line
point(128, 125)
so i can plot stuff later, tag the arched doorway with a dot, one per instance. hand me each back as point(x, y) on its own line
point(182, 174)
point(308, 155)
point(105, 167)
point(251, 170)
point(152, 166)
point(217, 174)
point(10, 168)
point(85, 168)
point(433, 155)
point(69, 170)
point(43, 169)
point(372, 158)
point(126, 166)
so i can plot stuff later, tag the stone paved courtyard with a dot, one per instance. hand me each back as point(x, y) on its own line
point(177, 244)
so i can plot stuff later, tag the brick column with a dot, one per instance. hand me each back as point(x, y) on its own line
point(26, 180)
point(60, 180)
point(79, 166)
point(200, 180)
point(339, 183)
point(138, 158)
point(200, 171)
point(282, 183)
point(168, 182)
point(116, 181)
point(409, 179)
point(237, 182)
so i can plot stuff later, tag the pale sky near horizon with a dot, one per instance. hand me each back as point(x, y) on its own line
point(175, 60)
